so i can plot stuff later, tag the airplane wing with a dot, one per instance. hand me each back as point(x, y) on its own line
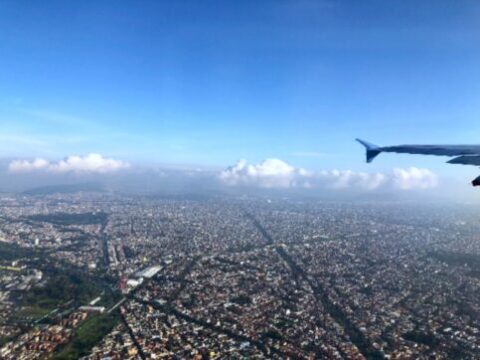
point(465, 154)
point(466, 160)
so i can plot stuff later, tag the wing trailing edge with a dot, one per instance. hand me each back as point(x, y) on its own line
point(466, 160)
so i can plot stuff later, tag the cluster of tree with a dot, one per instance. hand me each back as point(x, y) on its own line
point(87, 335)
point(71, 219)
point(421, 337)
point(9, 252)
point(63, 286)
point(458, 259)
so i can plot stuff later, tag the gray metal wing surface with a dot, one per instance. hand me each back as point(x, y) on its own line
point(465, 154)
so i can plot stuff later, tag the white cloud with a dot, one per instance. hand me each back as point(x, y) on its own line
point(95, 163)
point(414, 178)
point(271, 173)
point(275, 173)
point(25, 165)
point(344, 179)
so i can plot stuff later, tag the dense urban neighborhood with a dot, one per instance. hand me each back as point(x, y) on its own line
point(99, 275)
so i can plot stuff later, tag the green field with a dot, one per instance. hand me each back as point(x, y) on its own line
point(33, 312)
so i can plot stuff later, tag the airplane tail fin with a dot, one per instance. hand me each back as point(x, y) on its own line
point(372, 150)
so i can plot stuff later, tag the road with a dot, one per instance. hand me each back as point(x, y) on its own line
point(104, 240)
point(321, 296)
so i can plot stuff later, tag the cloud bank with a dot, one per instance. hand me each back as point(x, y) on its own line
point(414, 178)
point(271, 173)
point(91, 163)
point(275, 173)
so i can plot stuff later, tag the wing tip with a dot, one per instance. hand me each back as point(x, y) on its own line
point(372, 150)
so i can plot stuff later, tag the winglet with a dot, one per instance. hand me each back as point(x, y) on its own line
point(372, 150)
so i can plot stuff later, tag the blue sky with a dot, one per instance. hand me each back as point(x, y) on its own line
point(209, 82)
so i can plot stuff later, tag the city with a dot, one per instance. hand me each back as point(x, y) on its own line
point(206, 180)
point(107, 276)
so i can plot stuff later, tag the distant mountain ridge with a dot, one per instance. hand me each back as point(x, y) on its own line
point(65, 189)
